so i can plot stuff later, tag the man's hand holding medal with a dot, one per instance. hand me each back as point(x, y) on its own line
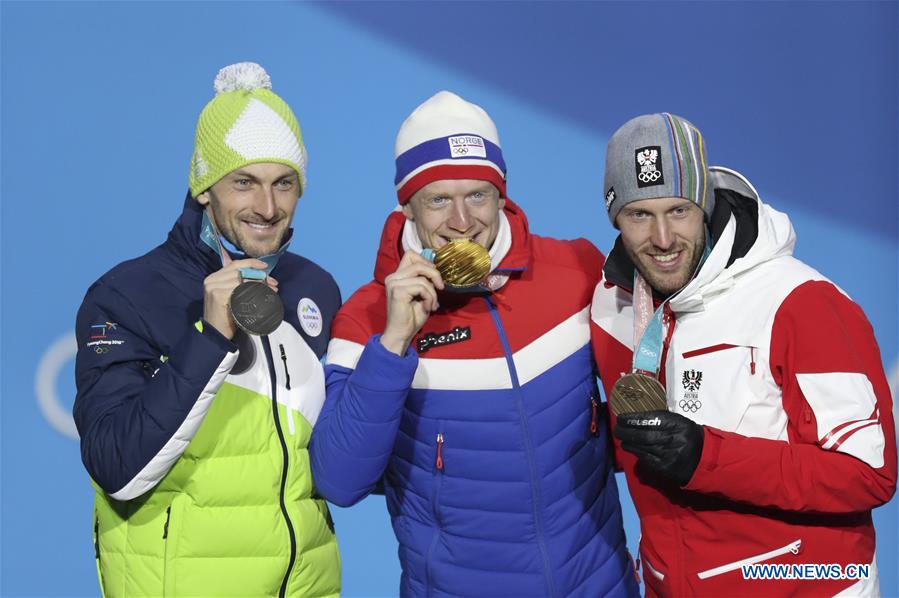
point(233, 299)
point(411, 297)
point(667, 444)
point(459, 266)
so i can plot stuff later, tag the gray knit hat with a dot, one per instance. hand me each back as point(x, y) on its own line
point(653, 156)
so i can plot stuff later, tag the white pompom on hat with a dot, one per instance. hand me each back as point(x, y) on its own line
point(242, 75)
point(245, 123)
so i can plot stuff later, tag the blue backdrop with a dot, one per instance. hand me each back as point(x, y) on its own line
point(99, 101)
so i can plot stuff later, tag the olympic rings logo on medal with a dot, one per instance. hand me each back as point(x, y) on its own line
point(690, 405)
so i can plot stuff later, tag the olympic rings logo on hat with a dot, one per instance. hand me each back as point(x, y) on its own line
point(648, 166)
point(649, 177)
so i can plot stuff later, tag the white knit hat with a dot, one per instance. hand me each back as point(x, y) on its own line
point(447, 138)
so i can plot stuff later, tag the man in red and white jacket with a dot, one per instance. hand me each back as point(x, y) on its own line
point(778, 439)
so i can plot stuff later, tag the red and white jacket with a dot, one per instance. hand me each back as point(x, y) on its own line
point(783, 371)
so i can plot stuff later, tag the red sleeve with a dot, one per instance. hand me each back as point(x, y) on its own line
point(841, 456)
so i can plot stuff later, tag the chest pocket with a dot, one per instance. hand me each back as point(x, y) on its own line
point(298, 372)
point(300, 376)
point(716, 385)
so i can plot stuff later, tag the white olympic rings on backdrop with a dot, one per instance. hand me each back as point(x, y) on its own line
point(48, 368)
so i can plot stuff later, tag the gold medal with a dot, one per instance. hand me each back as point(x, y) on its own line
point(636, 392)
point(462, 263)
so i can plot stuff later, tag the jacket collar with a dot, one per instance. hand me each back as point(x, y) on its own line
point(184, 239)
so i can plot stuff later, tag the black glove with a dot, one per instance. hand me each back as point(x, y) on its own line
point(666, 443)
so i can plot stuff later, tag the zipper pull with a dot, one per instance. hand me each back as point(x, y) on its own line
point(593, 427)
point(286, 372)
point(165, 529)
point(96, 538)
point(440, 452)
point(752, 360)
point(668, 319)
point(636, 565)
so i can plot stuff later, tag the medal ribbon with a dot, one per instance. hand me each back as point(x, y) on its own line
point(648, 328)
point(210, 236)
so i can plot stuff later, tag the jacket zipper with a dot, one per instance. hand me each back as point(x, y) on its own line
point(168, 579)
point(97, 539)
point(791, 547)
point(97, 555)
point(635, 565)
point(438, 482)
point(707, 350)
point(286, 371)
point(594, 428)
point(722, 347)
point(671, 322)
point(291, 427)
point(529, 448)
point(266, 344)
point(439, 462)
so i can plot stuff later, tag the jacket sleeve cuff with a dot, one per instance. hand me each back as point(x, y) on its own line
point(708, 461)
point(382, 370)
point(200, 352)
point(212, 333)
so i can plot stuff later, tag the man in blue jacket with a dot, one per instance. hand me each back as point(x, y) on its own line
point(478, 410)
point(193, 431)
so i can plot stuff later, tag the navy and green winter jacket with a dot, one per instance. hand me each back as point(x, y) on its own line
point(196, 444)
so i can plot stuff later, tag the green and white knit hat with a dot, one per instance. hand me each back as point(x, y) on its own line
point(245, 123)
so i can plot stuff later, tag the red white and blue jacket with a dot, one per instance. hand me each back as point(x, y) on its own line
point(496, 466)
point(783, 371)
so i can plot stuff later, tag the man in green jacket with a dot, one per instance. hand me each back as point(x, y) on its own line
point(196, 396)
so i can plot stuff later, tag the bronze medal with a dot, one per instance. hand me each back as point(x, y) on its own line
point(636, 392)
point(463, 264)
point(256, 308)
